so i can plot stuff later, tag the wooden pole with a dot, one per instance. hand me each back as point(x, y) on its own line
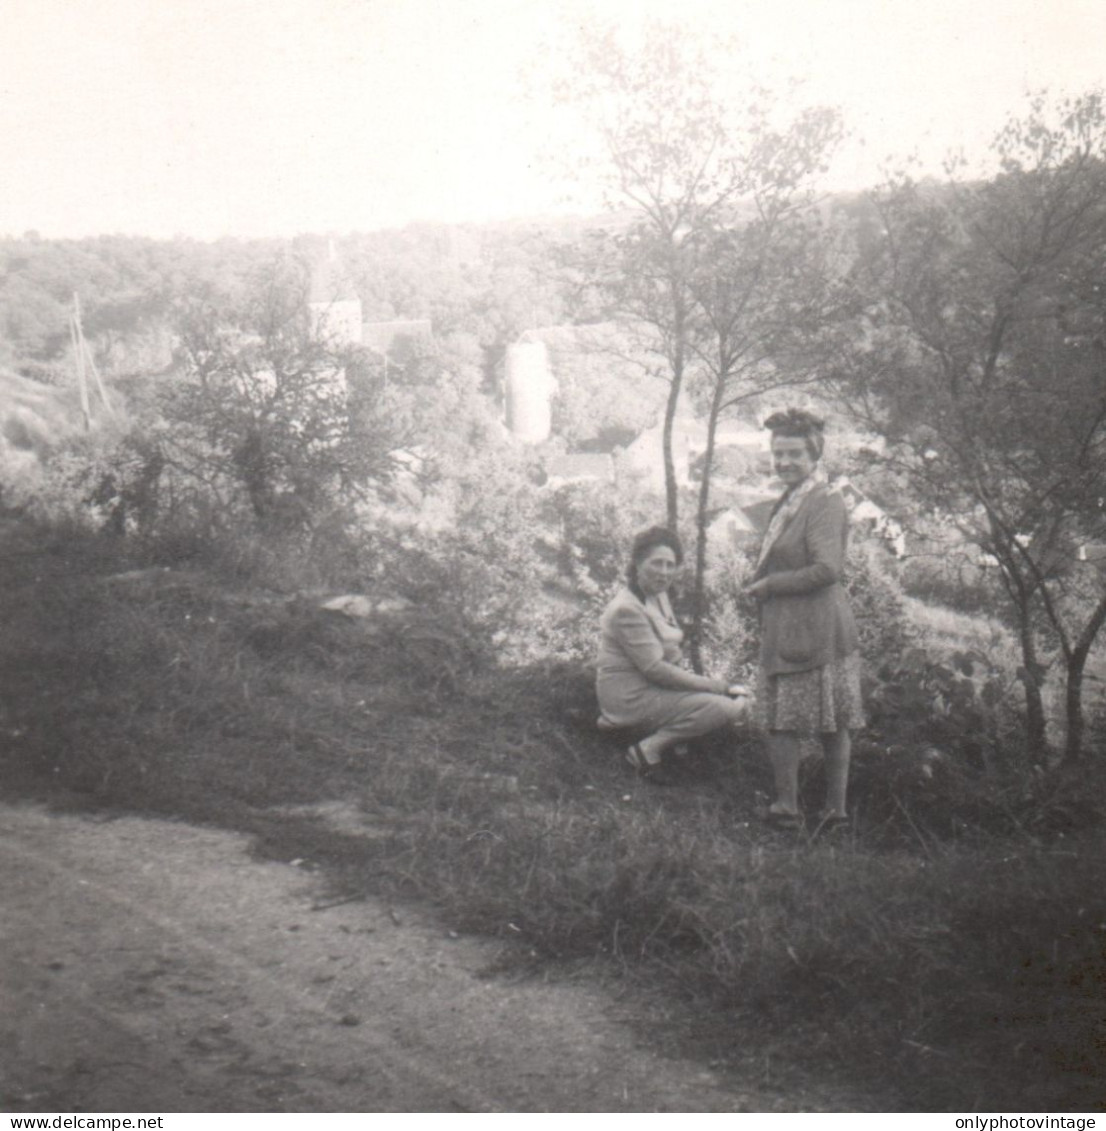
point(79, 357)
point(92, 368)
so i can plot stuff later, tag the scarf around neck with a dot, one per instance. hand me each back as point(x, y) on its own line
point(786, 509)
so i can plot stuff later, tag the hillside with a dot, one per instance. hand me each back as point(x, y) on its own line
point(34, 417)
point(928, 953)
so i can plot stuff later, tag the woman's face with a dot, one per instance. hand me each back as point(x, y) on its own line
point(792, 459)
point(656, 570)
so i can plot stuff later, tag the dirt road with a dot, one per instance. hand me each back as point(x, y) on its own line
point(151, 966)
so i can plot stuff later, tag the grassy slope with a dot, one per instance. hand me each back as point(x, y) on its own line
point(36, 415)
point(956, 974)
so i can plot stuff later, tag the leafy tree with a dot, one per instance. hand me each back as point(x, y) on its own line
point(767, 293)
point(682, 166)
point(980, 361)
point(667, 160)
point(275, 411)
point(491, 283)
point(127, 286)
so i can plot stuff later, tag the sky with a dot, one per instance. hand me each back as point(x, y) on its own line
point(250, 118)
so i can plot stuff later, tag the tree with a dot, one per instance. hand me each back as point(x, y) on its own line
point(980, 360)
point(767, 297)
point(490, 283)
point(126, 287)
point(684, 165)
point(274, 410)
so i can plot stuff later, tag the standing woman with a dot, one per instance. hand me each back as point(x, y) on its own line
point(640, 680)
point(809, 658)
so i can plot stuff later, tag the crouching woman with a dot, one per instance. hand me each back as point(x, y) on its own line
point(640, 680)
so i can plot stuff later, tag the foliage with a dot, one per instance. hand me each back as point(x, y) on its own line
point(480, 573)
point(685, 165)
point(957, 707)
point(952, 582)
point(720, 272)
point(930, 963)
point(876, 597)
point(767, 293)
point(581, 534)
point(984, 299)
point(127, 287)
point(595, 524)
point(603, 398)
point(263, 412)
point(491, 283)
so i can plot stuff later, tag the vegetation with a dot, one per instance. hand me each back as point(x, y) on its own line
point(984, 300)
point(951, 936)
point(167, 647)
point(708, 197)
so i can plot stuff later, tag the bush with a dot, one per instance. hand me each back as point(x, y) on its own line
point(876, 597)
point(729, 646)
point(943, 753)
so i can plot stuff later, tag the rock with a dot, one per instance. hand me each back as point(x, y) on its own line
point(358, 605)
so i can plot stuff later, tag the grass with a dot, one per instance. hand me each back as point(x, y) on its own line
point(954, 630)
point(939, 972)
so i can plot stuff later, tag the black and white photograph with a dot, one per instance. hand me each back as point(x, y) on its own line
point(552, 560)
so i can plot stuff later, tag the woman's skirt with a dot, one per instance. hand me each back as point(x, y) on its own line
point(818, 701)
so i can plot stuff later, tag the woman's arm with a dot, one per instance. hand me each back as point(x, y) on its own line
point(645, 651)
point(825, 546)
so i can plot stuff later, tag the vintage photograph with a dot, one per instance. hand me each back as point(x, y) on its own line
point(552, 559)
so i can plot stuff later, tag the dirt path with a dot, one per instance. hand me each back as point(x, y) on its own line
point(153, 966)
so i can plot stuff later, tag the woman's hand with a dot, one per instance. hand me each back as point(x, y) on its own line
point(733, 690)
point(758, 589)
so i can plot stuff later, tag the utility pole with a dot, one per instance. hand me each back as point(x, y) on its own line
point(82, 356)
point(77, 337)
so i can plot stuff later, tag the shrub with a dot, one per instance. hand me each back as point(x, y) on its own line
point(876, 597)
point(729, 646)
point(943, 752)
point(480, 575)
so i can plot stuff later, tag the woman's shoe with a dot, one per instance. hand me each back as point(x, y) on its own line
point(777, 819)
point(654, 773)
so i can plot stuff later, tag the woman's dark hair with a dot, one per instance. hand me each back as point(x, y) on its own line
point(644, 544)
point(797, 423)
